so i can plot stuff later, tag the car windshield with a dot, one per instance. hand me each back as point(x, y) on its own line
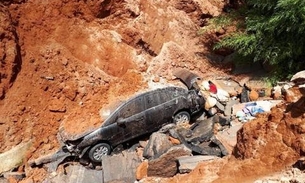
point(125, 110)
point(109, 109)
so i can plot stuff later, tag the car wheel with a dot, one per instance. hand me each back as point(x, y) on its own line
point(98, 151)
point(182, 117)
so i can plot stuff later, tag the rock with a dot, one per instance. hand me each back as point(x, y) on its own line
point(70, 92)
point(143, 143)
point(79, 174)
point(3, 180)
point(140, 151)
point(210, 102)
point(174, 141)
point(276, 92)
point(188, 163)
point(167, 128)
point(220, 106)
point(166, 164)
point(222, 120)
point(142, 170)
point(16, 175)
point(134, 7)
point(158, 144)
point(203, 131)
point(120, 167)
point(237, 107)
point(290, 96)
point(228, 137)
point(14, 157)
point(228, 107)
point(200, 137)
point(253, 95)
point(57, 106)
point(156, 79)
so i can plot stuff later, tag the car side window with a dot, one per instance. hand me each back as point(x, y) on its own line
point(152, 100)
point(176, 92)
point(132, 107)
point(165, 96)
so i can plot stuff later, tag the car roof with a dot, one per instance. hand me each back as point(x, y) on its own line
point(178, 90)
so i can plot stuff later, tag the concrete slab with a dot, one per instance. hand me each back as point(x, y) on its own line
point(188, 163)
point(228, 136)
point(80, 174)
point(120, 167)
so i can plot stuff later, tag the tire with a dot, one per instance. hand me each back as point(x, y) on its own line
point(98, 151)
point(182, 117)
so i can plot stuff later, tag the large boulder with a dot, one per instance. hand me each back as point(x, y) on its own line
point(158, 144)
point(120, 167)
point(166, 165)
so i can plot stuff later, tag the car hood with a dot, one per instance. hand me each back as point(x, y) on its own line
point(186, 77)
point(64, 136)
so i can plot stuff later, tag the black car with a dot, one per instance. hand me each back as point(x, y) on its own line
point(140, 115)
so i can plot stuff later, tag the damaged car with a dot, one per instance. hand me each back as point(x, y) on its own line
point(140, 115)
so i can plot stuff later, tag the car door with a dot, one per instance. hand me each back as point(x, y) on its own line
point(111, 132)
point(133, 118)
point(153, 112)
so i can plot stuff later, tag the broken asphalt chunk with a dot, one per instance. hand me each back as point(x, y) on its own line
point(51, 160)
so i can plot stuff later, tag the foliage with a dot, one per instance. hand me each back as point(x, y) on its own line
point(216, 23)
point(273, 32)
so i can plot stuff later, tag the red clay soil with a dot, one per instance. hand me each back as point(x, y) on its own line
point(61, 62)
point(267, 144)
point(56, 76)
point(270, 143)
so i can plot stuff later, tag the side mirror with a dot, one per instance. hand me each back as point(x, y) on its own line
point(121, 122)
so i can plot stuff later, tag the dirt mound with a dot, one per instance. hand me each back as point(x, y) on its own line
point(63, 61)
point(265, 146)
point(271, 144)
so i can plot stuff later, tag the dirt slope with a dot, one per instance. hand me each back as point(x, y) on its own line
point(63, 61)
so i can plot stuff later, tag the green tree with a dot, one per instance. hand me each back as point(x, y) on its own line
point(271, 31)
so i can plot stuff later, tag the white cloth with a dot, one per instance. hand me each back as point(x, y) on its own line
point(221, 95)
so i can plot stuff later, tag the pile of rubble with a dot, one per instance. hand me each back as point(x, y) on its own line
point(178, 149)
